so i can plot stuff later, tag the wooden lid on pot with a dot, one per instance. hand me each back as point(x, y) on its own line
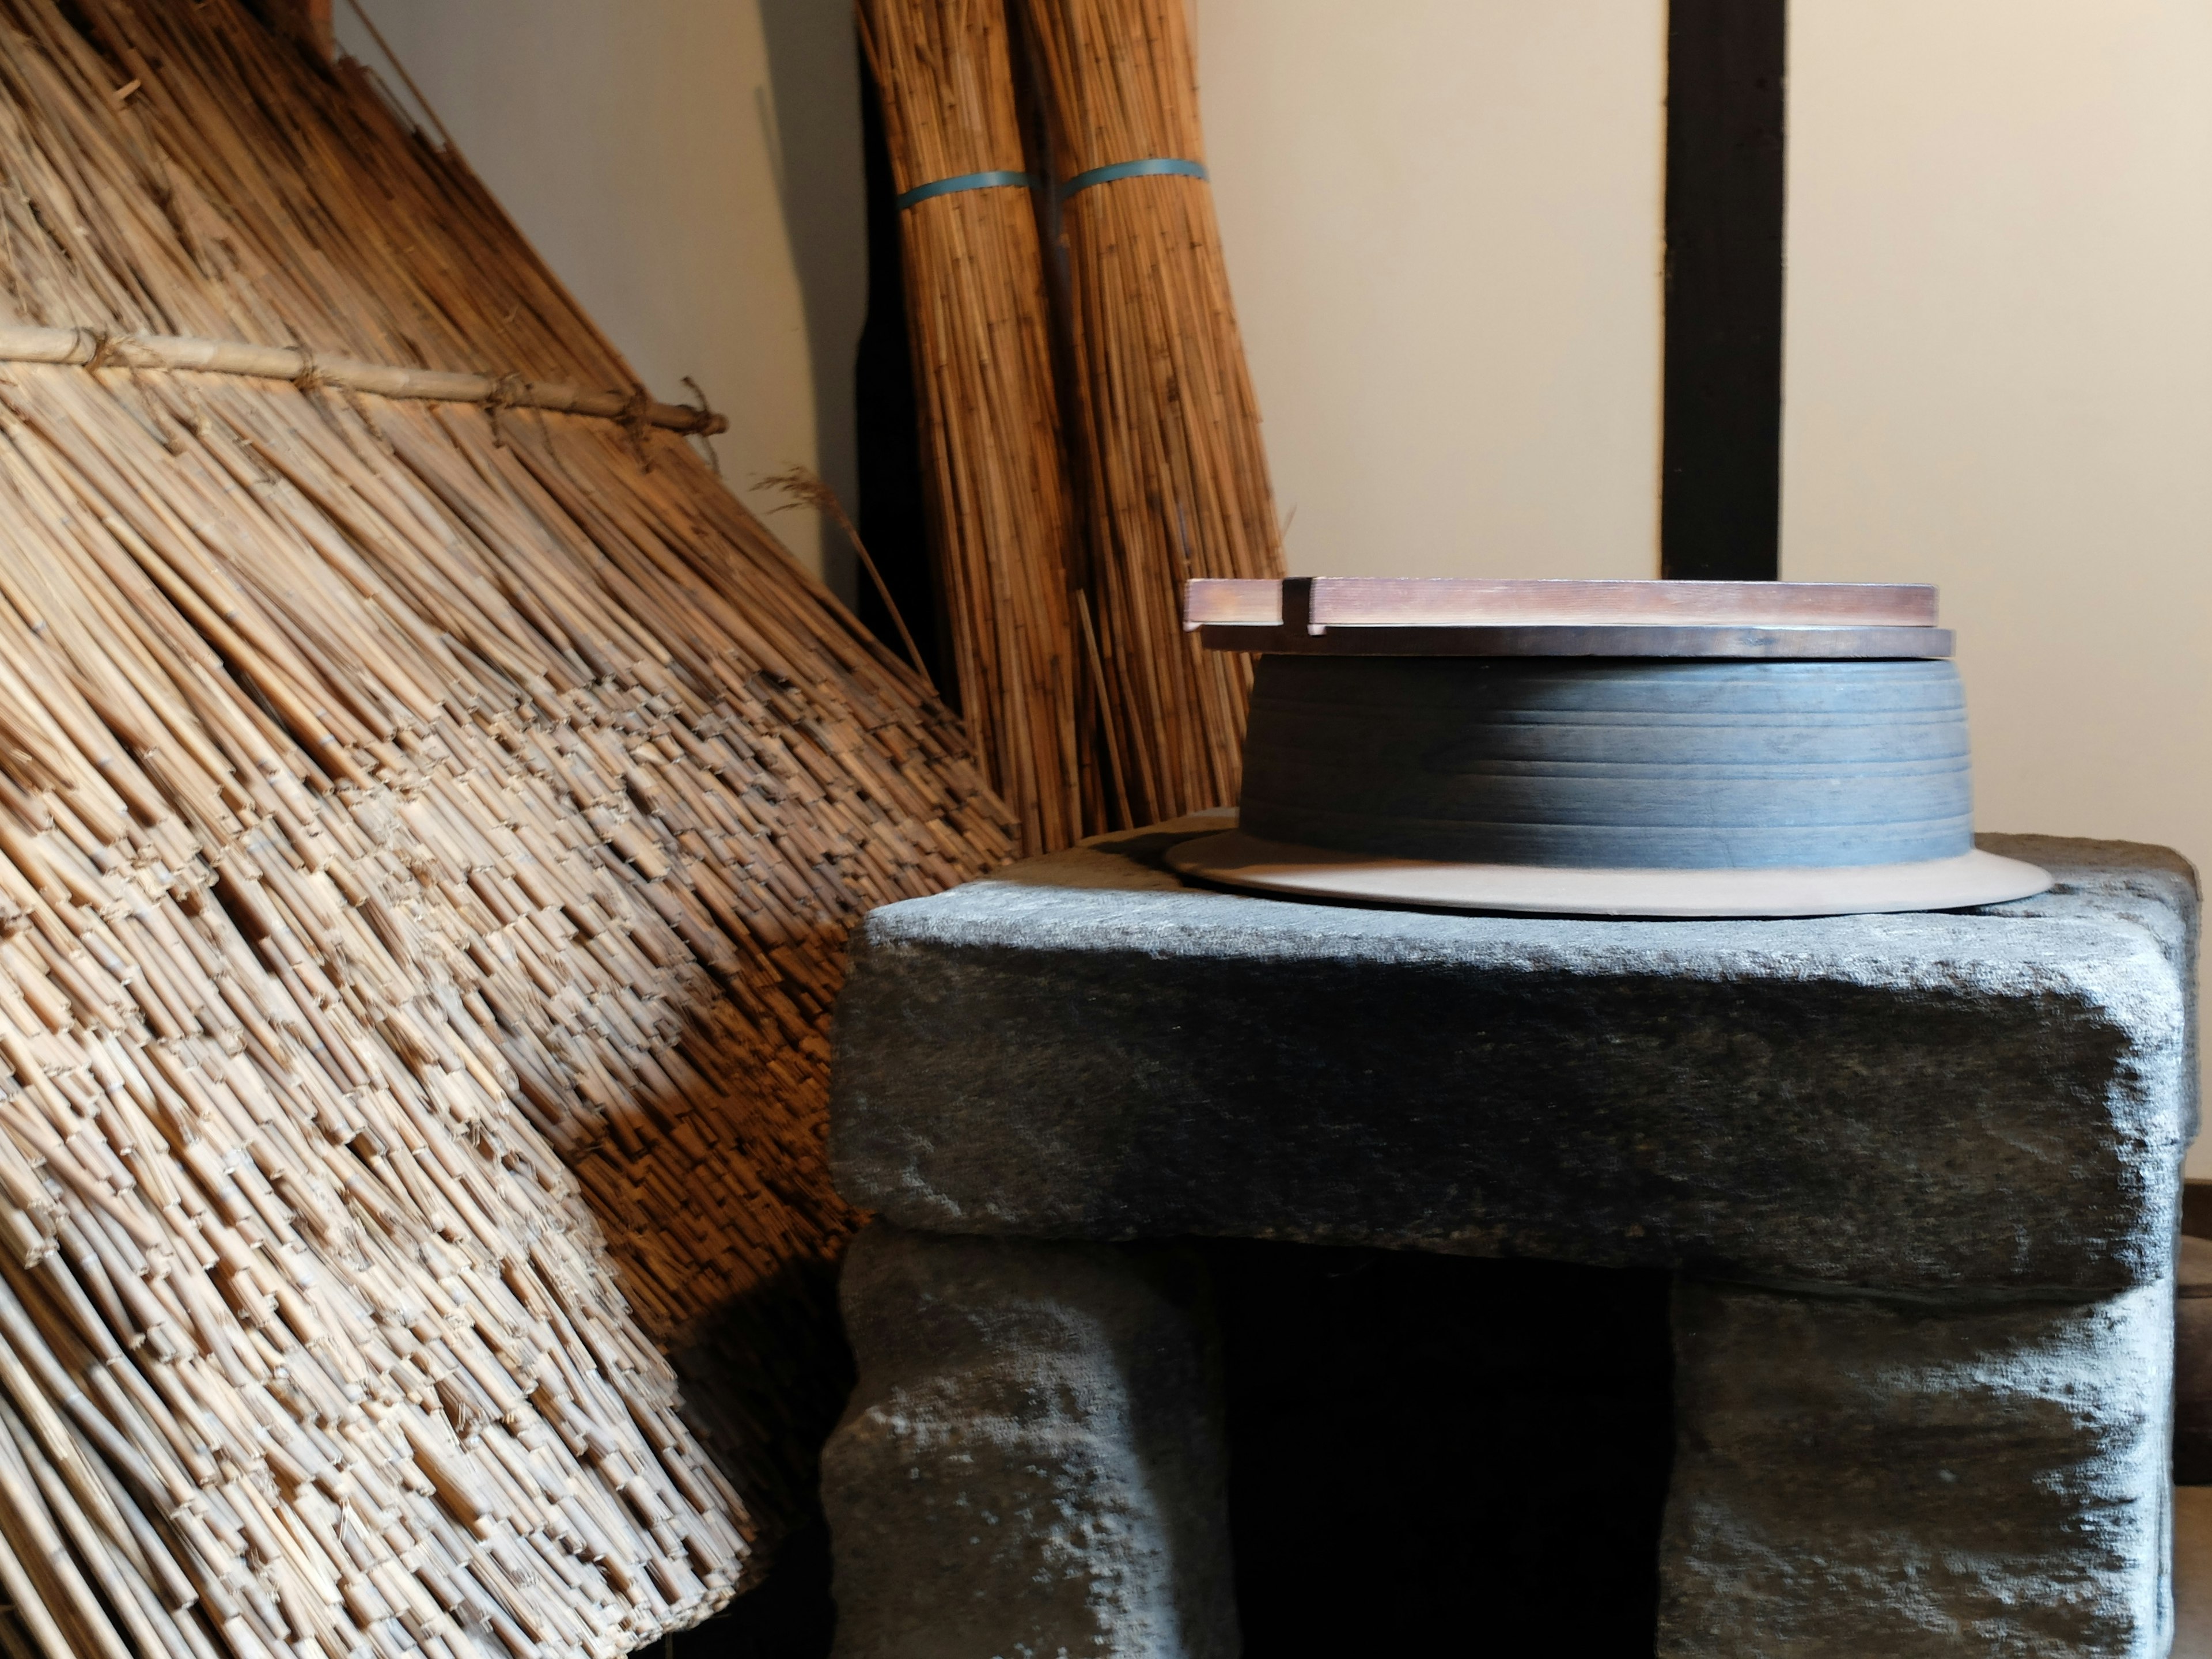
point(1474, 616)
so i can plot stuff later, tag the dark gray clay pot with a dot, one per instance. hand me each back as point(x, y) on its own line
point(1610, 762)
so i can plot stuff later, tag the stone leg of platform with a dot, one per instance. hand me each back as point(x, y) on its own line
point(1032, 1460)
point(1856, 1476)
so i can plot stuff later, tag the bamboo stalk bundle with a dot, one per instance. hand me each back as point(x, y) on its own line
point(426, 836)
point(1002, 517)
point(1174, 474)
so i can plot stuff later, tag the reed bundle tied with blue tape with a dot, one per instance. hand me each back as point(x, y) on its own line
point(1175, 478)
point(1002, 519)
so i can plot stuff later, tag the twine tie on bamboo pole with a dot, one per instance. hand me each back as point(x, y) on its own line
point(637, 420)
point(709, 424)
point(310, 379)
point(502, 397)
point(101, 349)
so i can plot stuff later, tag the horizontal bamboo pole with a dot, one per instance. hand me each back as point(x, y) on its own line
point(94, 348)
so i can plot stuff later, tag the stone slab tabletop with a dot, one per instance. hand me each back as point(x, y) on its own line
point(1085, 1047)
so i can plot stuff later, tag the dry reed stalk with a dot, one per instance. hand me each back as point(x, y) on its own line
point(806, 488)
point(1176, 476)
point(1002, 521)
point(426, 845)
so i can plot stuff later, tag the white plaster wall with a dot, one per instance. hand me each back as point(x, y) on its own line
point(1443, 221)
point(2000, 377)
point(691, 170)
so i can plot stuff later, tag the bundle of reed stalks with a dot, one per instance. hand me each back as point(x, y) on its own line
point(1172, 460)
point(1002, 518)
point(427, 837)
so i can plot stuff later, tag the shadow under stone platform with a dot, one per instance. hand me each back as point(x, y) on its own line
point(1427, 1450)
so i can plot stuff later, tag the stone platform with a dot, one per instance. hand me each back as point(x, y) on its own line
point(1918, 1175)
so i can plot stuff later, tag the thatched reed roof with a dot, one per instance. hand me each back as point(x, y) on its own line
point(427, 837)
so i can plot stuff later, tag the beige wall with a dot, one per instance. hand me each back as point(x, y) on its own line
point(2000, 377)
point(691, 169)
point(1443, 226)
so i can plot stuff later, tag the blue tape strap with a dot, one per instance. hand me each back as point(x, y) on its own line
point(962, 181)
point(1145, 169)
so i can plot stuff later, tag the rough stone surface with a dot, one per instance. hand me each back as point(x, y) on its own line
point(2154, 887)
point(1856, 1477)
point(1086, 1047)
point(1031, 1467)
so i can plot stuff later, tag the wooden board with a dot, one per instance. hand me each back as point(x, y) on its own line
point(1772, 644)
point(1331, 601)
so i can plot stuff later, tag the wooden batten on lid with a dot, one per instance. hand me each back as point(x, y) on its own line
point(1453, 616)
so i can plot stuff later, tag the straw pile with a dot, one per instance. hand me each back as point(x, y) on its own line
point(1175, 477)
point(999, 509)
point(401, 807)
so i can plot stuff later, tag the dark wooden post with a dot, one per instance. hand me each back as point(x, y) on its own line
point(1721, 492)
